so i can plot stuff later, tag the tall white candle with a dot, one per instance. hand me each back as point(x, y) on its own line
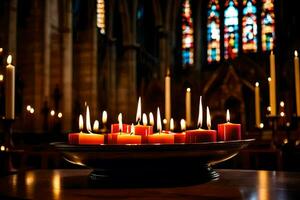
point(270, 94)
point(10, 89)
point(168, 98)
point(188, 107)
point(273, 84)
point(297, 82)
point(257, 105)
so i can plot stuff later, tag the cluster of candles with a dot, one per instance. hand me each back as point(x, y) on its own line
point(142, 133)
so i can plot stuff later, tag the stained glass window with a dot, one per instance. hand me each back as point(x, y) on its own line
point(267, 25)
point(213, 31)
point(231, 26)
point(187, 34)
point(249, 26)
point(101, 16)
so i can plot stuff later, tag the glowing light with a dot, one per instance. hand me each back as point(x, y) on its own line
point(269, 108)
point(158, 121)
point(9, 59)
point(282, 114)
point(80, 123)
point(88, 120)
point(151, 119)
point(172, 124)
point(145, 121)
point(101, 15)
point(227, 115)
point(1, 77)
point(2, 148)
point(138, 112)
point(261, 125)
point(256, 84)
point(200, 114)
point(165, 121)
point(59, 115)
point(52, 112)
point(281, 104)
point(182, 125)
point(296, 53)
point(120, 122)
point(104, 117)
point(28, 108)
point(208, 119)
point(96, 126)
point(31, 110)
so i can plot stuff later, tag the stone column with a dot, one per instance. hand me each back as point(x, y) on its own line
point(67, 63)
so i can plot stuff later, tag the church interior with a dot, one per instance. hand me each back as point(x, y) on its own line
point(105, 55)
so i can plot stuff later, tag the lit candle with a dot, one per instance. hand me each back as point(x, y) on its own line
point(88, 120)
point(159, 137)
point(168, 96)
point(84, 138)
point(270, 95)
point(199, 134)
point(138, 112)
point(172, 126)
point(115, 128)
point(96, 126)
point(229, 131)
point(125, 138)
point(104, 121)
point(188, 107)
point(297, 82)
point(151, 119)
point(273, 84)
point(257, 105)
point(10, 89)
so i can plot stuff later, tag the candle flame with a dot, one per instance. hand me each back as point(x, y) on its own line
point(158, 121)
point(9, 59)
point(132, 130)
point(104, 117)
point(200, 115)
point(171, 124)
point(151, 119)
point(138, 112)
point(145, 121)
point(80, 122)
point(257, 84)
point(227, 115)
point(188, 90)
point(182, 125)
point(281, 104)
point(96, 126)
point(120, 122)
point(296, 53)
point(88, 120)
point(208, 119)
point(269, 79)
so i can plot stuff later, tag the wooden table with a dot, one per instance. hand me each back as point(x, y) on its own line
point(73, 184)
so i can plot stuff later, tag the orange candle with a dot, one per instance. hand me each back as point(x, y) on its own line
point(229, 131)
point(125, 138)
point(160, 138)
point(202, 135)
point(85, 138)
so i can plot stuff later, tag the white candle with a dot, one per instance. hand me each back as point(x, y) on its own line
point(270, 94)
point(168, 97)
point(297, 82)
point(10, 90)
point(273, 84)
point(257, 105)
point(188, 107)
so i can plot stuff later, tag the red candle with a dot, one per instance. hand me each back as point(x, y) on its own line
point(143, 130)
point(229, 131)
point(115, 128)
point(112, 138)
point(125, 138)
point(161, 138)
point(202, 135)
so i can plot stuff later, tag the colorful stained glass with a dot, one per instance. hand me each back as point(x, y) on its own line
point(249, 26)
point(267, 25)
point(187, 34)
point(213, 31)
point(231, 27)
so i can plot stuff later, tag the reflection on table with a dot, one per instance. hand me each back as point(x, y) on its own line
point(74, 184)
